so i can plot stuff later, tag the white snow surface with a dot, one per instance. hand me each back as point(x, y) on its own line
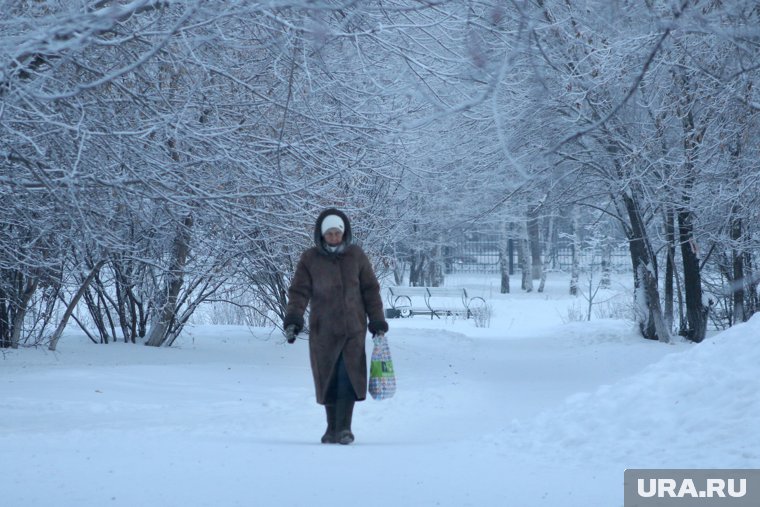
point(527, 412)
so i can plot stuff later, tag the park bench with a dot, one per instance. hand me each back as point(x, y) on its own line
point(434, 301)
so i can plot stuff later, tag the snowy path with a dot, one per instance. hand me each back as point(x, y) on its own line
point(230, 420)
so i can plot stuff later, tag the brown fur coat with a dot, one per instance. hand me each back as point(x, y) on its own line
point(344, 294)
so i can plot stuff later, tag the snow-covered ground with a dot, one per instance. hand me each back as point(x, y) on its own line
point(530, 411)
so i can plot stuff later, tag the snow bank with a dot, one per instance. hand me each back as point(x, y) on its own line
point(697, 408)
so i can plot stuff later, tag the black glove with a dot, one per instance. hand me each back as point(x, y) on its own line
point(378, 327)
point(290, 333)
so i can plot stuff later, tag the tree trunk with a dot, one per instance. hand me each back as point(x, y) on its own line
point(435, 266)
point(534, 238)
point(696, 313)
point(576, 253)
point(96, 315)
point(18, 320)
point(670, 264)
point(738, 281)
point(753, 298)
point(547, 249)
point(504, 254)
point(70, 309)
point(606, 281)
point(526, 263)
point(417, 269)
point(5, 324)
point(174, 279)
point(122, 309)
point(398, 271)
point(646, 296)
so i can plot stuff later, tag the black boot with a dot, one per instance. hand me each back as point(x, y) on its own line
point(330, 436)
point(344, 403)
point(345, 412)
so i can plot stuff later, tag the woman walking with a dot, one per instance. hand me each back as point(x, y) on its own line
point(336, 277)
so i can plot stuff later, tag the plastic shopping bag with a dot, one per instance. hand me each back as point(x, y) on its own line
point(382, 379)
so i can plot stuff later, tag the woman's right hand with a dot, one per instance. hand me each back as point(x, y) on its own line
point(291, 333)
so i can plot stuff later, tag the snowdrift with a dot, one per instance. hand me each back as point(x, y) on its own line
point(693, 407)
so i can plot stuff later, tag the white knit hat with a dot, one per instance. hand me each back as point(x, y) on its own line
point(333, 222)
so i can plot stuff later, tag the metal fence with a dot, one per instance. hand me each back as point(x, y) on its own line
point(483, 256)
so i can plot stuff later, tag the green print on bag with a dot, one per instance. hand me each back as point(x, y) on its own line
point(379, 369)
